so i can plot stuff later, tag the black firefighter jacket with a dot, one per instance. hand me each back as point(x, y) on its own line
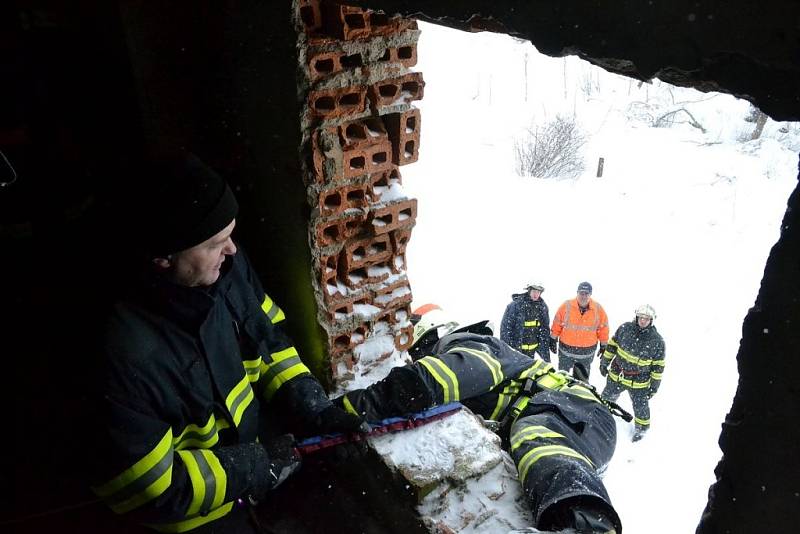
point(189, 370)
point(635, 357)
point(526, 325)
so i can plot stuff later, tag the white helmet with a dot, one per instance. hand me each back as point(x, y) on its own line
point(431, 318)
point(534, 285)
point(645, 310)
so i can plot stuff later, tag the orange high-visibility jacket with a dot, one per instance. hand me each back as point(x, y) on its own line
point(580, 330)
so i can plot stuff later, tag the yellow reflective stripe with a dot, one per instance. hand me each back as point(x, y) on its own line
point(539, 367)
point(199, 437)
point(551, 381)
point(348, 406)
point(537, 453)
point(447, 379)
point(220, 476)
point(503, 398)
point(143, 481)
point(531, 433)
point(655, 376)
point(532, 323)
point(627, 381)
point(208, 478)
point(272, 311)
point(189, 524)
point(252, 368)
point(528, 346)
point(642, 422)
point(196, 478)
point(239, 399)
point(494, 366)
point(627, 356)
point(580, 391)
point(659, 363)
point(284, 366)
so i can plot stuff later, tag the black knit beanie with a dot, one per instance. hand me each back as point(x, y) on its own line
point(189, 203)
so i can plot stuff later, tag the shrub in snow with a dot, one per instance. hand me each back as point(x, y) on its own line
point(551, 150)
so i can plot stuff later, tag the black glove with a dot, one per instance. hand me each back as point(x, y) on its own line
point(283, 460)
point(334, 419)
point(603, 370)
point(601, 350)
point(553, 345)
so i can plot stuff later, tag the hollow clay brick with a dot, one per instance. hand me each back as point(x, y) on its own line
point(404, 55)
point(311, 15)
point(360, 276)
point(404, 338)
point(334, 103)
point(400, 240)
point(378, 157)
point(354, 163)
point(391, 217)
point(404, 129)
point(335, 201)
point(345, 22)
point(365, 252)
point(362, 133)
point(382, 24)
point(354, 225)
point(400, 90)
point(382, 181)
point(324, 64)
point(384, 298)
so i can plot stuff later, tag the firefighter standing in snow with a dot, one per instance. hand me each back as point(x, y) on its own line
point(557, 430)
point(526, 321)
point(634, 362)
point(578, 326)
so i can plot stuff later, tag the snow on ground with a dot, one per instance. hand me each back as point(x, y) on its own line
point(681, 219)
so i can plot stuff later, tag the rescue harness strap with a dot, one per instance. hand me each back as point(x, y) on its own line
point(529, 388)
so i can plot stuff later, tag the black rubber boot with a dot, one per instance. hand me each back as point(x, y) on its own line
point(579, 515)
point(638, 434)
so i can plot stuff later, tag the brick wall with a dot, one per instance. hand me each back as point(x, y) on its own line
point(359, 127)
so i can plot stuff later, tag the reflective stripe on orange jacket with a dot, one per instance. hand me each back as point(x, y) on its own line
point(580, 330)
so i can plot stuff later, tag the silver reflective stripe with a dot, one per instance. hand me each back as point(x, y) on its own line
point(239, 398)
point(141, 483)
point(578, 327)
point(276, 368)
point(209, 478)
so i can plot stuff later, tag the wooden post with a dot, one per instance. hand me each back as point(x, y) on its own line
point(600, 167)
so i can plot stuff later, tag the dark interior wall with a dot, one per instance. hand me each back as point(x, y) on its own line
point(88, 87)
point(220, 78)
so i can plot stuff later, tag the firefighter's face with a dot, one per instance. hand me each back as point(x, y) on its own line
point(535, 294)
point(583, 298)
point(643, 320)
point(200, 265)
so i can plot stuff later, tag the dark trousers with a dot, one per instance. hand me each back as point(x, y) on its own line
point(557, 444)
point(639, 398)
point(567, 363)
